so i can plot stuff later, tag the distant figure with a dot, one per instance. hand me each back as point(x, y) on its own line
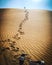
point(24, 7)
point(21, 59)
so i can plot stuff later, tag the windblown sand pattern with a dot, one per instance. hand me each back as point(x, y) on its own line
point(36, 40)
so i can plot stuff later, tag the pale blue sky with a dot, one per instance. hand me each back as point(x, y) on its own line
point(30, 4)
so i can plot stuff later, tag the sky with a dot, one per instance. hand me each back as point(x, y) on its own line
point(29, 4)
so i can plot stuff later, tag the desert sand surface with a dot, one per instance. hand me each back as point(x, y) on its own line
point(36, 40)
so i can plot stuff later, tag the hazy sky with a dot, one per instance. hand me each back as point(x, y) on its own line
point(31, 4)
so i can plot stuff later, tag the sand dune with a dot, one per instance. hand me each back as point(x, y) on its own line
point(36, 40)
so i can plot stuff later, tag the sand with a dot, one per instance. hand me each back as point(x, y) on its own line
point(36, 40)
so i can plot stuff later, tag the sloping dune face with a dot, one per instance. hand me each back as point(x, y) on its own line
point(36, 40)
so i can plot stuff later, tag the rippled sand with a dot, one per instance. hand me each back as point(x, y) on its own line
point(36, 40)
